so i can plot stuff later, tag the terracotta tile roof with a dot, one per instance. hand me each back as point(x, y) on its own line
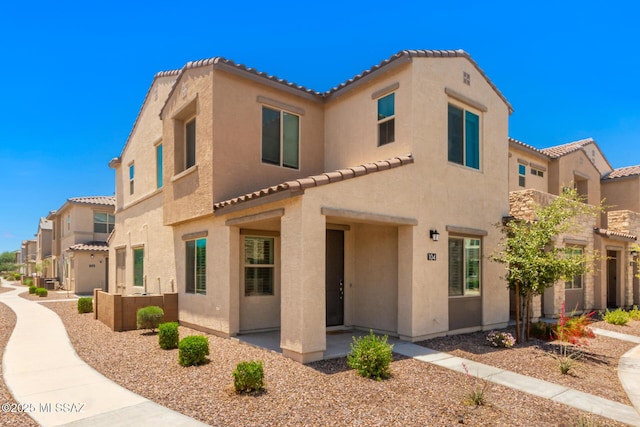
point(94, 200)
point(617, 235)
point(403, 54)
point(561, 150)
point(90, 246)
point(623, 172)
point(527, 146)
point(299, 185)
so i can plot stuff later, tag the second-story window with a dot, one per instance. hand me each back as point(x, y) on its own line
point(103, 222)
point(386, 119)
point(131, 176)
point(159, 166)
point(190, 143)
point(464, 137)
point(280, 138)
point(522, 175)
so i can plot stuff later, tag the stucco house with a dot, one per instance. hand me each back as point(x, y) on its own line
point(372, 205)
point(538, 174)
point(29, 252)
point(43, 247)
point(80, 253)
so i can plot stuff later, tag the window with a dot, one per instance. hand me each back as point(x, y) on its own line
point(159, 166)
point(537, 172)
point(280, 138)
point(103, 222)
point(386, 119)
point(464, 267)
point(138, 267)
point(120, 268)
point(258, 265)
point(68, 222)
point(196, 267)
point(464, 137)
point(522, 175)
point(190, 143)
point(131, 176)
point(576, 282)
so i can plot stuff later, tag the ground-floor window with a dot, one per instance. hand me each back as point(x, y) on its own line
point(196, 267)
point(576, 282)
point(259, 265)
point(138, 267)
point(120, 267)
point(464, 266)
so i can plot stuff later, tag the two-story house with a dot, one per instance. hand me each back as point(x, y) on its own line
point(538, 174)
point(80, 228)
point(29, 252)
point(43, 247)
point(372, 205)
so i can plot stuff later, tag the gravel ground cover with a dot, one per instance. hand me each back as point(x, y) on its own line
point(595, 372)
point(324, 393)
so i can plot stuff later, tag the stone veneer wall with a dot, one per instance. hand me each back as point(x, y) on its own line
point(522, 204)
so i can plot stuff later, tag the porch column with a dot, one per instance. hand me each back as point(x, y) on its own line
point(405, 282)
point(302, 255)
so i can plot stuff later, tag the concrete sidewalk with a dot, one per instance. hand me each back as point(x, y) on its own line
point(44, 374)
point(577, 399)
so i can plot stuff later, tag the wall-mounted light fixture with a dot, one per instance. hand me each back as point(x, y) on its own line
point(91, 256)
point(435, 236)
point(634, 253)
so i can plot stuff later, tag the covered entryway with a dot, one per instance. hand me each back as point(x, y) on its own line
point(334, 278)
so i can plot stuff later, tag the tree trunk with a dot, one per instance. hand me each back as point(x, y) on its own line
point(518, 337)
point(528, 319)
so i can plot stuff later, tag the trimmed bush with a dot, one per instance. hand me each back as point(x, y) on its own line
point(193, 350)
point(371, 356)
point(28, 281)
point(149, 317)
point(634, 313)
point(616, 317)
point(85, 305)
point(248, 377)
point(32, 289)
point(42, 292)
point(168, 335)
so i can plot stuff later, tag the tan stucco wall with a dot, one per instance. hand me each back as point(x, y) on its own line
point(518, 156)
point(87, 273)
point(564, 169)
point(139, 216)
point(622, 193)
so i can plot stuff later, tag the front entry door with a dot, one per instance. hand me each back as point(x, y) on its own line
point(334, 277)
point(612, 267)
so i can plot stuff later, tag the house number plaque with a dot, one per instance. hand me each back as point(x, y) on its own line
point(431, 256)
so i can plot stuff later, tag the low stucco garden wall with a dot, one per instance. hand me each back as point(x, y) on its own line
point(118, 312)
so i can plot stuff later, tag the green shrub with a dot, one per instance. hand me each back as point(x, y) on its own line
point(192, 350)
point(17, 276)
point(41, 292)
point(149, 317)
point(85, 305)
point(168, 335)
point(635, 313)
point(28, 281)
point(32, 289)
point(248, 377)
point(616, 317)
point(371, 356)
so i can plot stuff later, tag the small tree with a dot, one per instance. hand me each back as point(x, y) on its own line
point(533, 263)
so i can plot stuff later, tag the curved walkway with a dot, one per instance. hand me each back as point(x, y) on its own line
point(44, 374)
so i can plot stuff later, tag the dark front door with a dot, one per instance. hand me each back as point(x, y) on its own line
point(334, 279)
point(612, 268)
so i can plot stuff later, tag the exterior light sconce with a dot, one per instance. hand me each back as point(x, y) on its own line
point(634, 254)
point(435, 236)
point(91, 256)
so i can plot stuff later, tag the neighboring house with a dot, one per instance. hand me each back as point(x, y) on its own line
point(43, 248)
point(80, 253)
point(29, 251)
point(372, 205)
point(538, 174)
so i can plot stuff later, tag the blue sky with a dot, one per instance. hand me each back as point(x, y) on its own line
point(75, 73)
